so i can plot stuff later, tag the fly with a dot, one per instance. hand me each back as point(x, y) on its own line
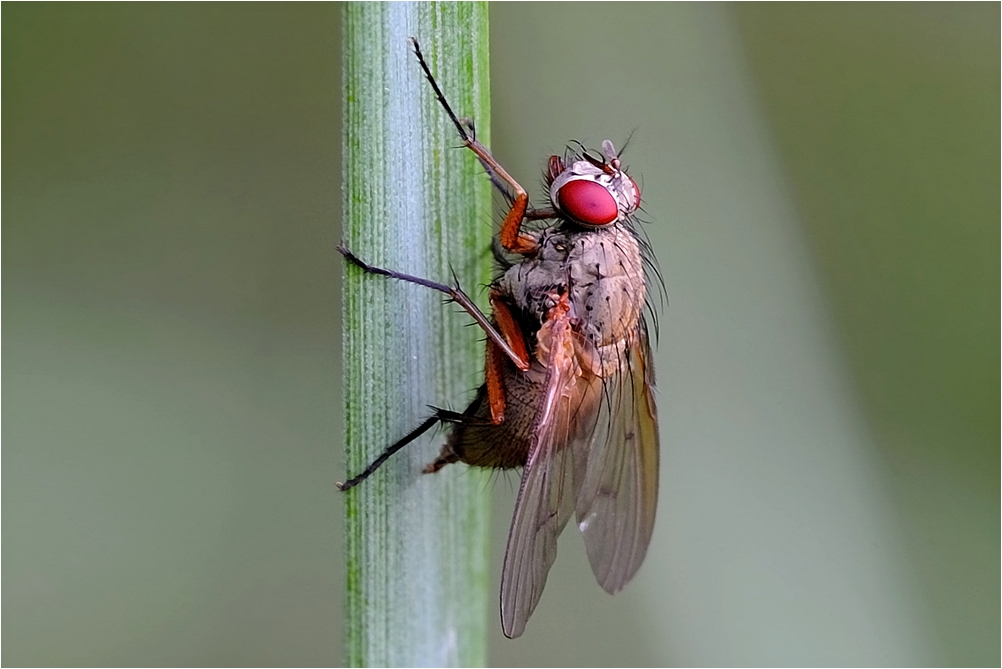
point(568, 388)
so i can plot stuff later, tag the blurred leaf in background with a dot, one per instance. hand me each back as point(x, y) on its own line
point(170, 205)
point(887, 118)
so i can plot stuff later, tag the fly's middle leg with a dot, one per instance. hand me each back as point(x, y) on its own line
point(520, 358)
point(494, 375)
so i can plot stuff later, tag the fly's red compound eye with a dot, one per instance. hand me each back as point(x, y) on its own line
point(589, 202)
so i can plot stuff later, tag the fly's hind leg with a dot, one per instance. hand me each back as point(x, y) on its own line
point(440, 416)
point(475, 417)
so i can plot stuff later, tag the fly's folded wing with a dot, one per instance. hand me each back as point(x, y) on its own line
point(546, 494)
point(617, 470)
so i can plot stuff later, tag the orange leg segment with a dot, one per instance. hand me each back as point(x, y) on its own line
point(495, 383)
point(510, 234)
point(510, 330)
point(494, 376)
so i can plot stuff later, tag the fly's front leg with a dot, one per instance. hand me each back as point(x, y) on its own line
point(511, 235)
point(512, 238)
point(519, 357)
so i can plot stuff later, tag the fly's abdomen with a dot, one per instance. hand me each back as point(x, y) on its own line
point(482, 444)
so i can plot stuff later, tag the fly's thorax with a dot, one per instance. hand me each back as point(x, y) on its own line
point(602, 272)
point(532, 282)
point(607, 287)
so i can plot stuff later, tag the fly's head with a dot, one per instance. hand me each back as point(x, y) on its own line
point(592, 190)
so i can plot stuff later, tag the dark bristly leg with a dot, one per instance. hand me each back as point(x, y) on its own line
point(440, 416)
point(378, 462)
point(455, 294)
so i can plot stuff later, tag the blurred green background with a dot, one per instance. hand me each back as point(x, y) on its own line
point(823, 186)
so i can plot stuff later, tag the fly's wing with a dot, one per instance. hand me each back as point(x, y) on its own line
point(617, 477)
point(545, 496)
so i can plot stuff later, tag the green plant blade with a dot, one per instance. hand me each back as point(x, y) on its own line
point(416, 545)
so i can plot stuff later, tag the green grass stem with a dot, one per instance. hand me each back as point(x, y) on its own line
point(416, 545)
